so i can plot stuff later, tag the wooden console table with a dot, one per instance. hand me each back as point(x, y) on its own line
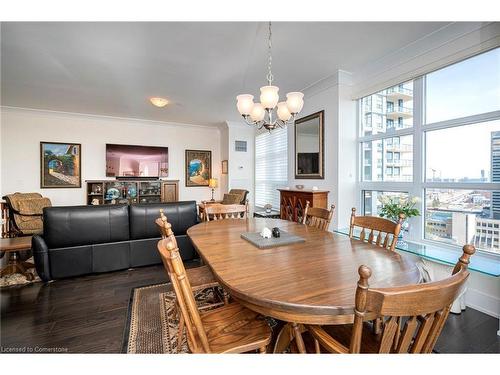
point(293, 202)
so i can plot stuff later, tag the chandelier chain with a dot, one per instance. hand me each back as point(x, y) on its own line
point(270, 113)
point(270, 76)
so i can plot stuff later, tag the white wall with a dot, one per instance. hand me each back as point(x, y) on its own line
point(242, 164)
point(224, 155)
point(340, 145)
point(22, 131)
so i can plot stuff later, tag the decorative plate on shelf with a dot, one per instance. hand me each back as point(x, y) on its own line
point(113, 193)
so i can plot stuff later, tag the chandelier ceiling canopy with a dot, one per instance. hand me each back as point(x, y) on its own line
point(270, 113)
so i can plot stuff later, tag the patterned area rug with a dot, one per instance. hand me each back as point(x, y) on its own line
point(153, 320)
point(18, 279)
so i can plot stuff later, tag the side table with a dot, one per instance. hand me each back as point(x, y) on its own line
point(12, 247)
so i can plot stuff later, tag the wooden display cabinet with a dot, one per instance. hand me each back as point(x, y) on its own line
point(131, 191)
point(170, 191)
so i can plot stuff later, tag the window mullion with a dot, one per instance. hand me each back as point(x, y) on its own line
point(416, 190)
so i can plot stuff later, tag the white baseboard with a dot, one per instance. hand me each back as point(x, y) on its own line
point(485, 303)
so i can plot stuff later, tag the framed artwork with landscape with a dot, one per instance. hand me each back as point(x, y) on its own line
point(198, 167)
point(60, 165)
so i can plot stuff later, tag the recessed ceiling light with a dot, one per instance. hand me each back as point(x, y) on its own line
point(159, 102)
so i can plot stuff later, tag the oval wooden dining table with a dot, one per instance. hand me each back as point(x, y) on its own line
point(311, 282)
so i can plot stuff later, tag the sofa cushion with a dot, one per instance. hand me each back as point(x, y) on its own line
point(144, 252)
point(181, 215)
point(70, 261)
point(110, 256)
point(85, 225)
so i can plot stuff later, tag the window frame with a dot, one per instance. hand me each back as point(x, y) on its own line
point(418, 186)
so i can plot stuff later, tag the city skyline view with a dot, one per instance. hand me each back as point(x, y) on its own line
point(445, 156)
point(456, 154)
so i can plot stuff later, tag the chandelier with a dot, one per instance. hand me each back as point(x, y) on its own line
point(263, 114)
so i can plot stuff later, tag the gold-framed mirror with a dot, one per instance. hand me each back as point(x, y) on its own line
point(310, 146)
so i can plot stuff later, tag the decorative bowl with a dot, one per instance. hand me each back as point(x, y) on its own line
point(300, 187)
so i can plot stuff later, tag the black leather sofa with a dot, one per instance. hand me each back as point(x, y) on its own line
point(79, 240)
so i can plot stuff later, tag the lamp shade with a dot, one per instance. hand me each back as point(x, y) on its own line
point(258, 112)
point(212, 183)
point(269, 96)
point(244, 104)
point(283, 112)
point(294, 102)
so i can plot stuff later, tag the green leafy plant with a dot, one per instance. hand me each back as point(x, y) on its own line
point(393, 206)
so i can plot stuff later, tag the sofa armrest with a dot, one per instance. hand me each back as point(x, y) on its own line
point(41, 257)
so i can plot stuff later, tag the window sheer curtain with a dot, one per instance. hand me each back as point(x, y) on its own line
point(271, 166)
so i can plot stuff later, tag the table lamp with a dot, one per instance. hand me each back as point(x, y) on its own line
point(212, 183)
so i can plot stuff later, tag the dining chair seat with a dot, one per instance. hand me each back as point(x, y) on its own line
point(233, 328)
point(201, 276)
point(343, 334)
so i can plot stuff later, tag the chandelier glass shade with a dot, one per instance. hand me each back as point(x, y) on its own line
point(270, 113)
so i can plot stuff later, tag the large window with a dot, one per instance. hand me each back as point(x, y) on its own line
point(439, 140)
point(271, 167)
point(462, 153)
point(467, 88)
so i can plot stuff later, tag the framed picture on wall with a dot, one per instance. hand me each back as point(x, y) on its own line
point(60, 165)
point(198, 167)
point(224, 166)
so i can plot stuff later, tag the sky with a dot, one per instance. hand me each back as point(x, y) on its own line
point(466, 88)
point(57, 149)
point(460, 152)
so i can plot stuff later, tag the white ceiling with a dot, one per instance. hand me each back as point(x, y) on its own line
point(112, 68)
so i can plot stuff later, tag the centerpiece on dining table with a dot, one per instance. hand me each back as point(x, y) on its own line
point(268, 238)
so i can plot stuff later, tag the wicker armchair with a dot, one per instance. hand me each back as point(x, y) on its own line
point(25, 213)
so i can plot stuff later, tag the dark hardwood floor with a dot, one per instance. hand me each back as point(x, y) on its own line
point(88, 315)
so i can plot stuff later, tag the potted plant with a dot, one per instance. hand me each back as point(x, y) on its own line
point(395, 205)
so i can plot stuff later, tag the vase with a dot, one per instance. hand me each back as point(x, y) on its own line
point(405, 226)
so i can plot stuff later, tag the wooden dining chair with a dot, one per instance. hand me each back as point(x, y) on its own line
point(318, 217)
point(382, 232)
point(201, 277)
point(226, 211)
point(231, 328)
point(413, 316)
